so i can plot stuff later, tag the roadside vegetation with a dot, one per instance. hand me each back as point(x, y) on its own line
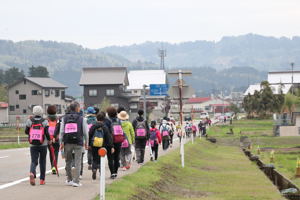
point(14, 145)
point(208, 170)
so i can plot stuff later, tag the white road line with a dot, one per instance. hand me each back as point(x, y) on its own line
point(27, 179)
point(4, 157)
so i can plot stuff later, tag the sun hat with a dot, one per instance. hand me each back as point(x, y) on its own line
point(123, 115)
point(37, 111)
point(91, 110)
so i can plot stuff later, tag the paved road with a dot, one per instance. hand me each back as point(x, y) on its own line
point(14, 184)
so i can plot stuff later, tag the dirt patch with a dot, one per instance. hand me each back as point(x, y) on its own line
point(169, 184)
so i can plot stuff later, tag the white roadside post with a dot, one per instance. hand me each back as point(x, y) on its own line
point(18, 128)
point(182, 148)
point(102, 153)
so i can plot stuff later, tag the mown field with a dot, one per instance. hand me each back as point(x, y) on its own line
point(212, 172)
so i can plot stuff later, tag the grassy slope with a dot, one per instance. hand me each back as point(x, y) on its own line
point(211, 172)
point(14, 145)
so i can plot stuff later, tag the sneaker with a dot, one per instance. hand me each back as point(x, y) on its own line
point(115, 175)
point(112, 176)
point(151, 158)
point(90, 167)
point(69, 183)
point(42, 182)
point(77, 184)
point(128, 167)
point(32, 179)
point(53, 170)
point(94, 174)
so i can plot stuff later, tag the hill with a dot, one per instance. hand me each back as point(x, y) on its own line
point(260, 52)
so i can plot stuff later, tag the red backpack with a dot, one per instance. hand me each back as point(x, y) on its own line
point(37, 132)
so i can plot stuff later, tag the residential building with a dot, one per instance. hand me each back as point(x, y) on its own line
point(3, 113)
point(106, 82)
point(31, 91)
point(276, 88)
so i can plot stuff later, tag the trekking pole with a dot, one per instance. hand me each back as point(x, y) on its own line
point(102, 153)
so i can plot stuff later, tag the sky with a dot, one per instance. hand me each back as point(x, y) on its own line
point(99, 23)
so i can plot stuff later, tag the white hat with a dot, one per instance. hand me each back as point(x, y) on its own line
point(123, 115)
point(37, 111)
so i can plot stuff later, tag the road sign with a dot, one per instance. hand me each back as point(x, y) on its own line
point(159, 89)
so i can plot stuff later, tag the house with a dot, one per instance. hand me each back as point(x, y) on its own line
point(207, 104)
point(30, 91)
point(139, 78)
point(109, 82)
point(284, 77)
point(3, 113)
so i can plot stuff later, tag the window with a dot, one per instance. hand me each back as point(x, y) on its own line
point(56, 93)
point(58, 109)
point(47, 93)
point(17, 106)
point(34, 92)
point(11, 108)
point(24, 111)
point(93, 93)
point(63, 95)
point(22, 96)
point(110, 92)
point(17, 91)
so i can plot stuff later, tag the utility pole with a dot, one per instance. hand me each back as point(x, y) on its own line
point(292, 65)
point(162, 53)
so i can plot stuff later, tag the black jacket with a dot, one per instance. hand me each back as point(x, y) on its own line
point(141, 143)
point(108, 140)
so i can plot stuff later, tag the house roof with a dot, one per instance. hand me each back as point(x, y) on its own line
point(275, 88)
point(199, 99)
point(104, 76)
point(43, 82)
point(3, 105)
point(138, 78)
point(46, 82)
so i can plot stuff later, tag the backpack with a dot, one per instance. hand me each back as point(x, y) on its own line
point(72, 132)
point(36, 132)
point(117, 131)
point(153, 137)
point(165, 132)
point(91, 120)
point(188, 128)
point(140, 132)
point(51, 128)
point(98, 137)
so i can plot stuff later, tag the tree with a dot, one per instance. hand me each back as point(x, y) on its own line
point(104, 104)
point(290, 102)
point(234, 108)
point(39, 71)
point(13, 75)
point(3, 94)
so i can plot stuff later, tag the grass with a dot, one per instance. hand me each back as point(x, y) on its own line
point(209, 170)
point(250, 128)
point(10, 132)
point(14, 145)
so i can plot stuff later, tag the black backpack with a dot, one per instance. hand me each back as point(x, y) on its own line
point(72, 129)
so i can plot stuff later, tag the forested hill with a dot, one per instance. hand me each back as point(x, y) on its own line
point(56, 56)
point(260, 52)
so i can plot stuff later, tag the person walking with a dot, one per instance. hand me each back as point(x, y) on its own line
point(91, 120)
point(99, 136)
point(130, 139)
point(53, 122)
point(141, 129)
point(73, 136)
point(118, 138)
point(155, 140)
point(39, 138)
point(165, 131)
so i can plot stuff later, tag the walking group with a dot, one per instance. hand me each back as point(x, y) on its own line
point(79, 131)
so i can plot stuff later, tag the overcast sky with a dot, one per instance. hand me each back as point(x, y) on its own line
point(99, 23)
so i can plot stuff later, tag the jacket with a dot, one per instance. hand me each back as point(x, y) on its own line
point(158, 135)
point(140, 143)
point(107, 138)
point(129, 131)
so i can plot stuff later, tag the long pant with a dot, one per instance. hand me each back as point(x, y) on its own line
point(204, 131)
point(140, 154)
point(171, 138)
point(155, 150)
point(96, 158)
point(126, 156)
point(38, 155)
point(165, 143)
point(114, 158)
point(90, 157)
point(73, 162)
point(69, 149)
point(56, 150)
